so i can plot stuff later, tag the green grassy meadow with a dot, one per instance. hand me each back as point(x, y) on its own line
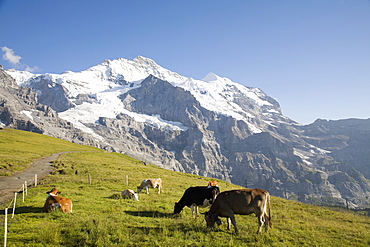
point(102, 218)
point(20, 148)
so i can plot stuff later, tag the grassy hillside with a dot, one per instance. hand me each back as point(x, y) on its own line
point(19, 148)
point(101, 218)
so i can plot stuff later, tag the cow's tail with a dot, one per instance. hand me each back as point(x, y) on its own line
point(269, 209)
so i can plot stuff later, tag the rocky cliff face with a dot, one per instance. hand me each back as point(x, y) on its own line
point(212, 127)
point(346, 140)
point(20, 109)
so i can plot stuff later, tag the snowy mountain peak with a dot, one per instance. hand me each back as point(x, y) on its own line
point(103, 83)
point(19, 76)
point(134, 70)
point(211, 77)
point(144, 60)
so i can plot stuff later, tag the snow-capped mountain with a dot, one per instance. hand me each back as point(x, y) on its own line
point(212, 127)
point(104, 82)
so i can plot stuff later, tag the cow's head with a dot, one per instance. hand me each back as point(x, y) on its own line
point(135, 197)
point(211, 219)
point(53, 192)
point(177, 209)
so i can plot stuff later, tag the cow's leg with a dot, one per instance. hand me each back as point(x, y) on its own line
point(65, 208)
point(232, 218)
point(192, 209)
point(196, 210)
point(159, 190)
point(147, 190)
point(56, 206)
point(228, 223)
point(267, 220)
point(261, 221)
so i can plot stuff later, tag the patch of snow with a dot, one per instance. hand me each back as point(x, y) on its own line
point(19, 76)
point(109, 105)
point(28, 114)
point(320, 150)
point(300, 154)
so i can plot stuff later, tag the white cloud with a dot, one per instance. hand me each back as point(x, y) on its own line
point(10, 56)
point(15, 60)
point(33, 69)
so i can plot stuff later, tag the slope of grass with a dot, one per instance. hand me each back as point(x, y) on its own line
point(101, 218)
point(20, 148)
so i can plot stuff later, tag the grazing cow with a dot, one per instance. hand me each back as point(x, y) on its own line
point(245, 201)
point(194, 197)
point(53, 202)
point(130, 194)
point(150, 183)
point(212, 183)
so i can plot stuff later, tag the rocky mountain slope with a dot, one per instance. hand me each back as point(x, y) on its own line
point(20, 109)
point(212, 127)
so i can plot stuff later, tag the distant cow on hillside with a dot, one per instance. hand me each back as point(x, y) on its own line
point(212, 183)
point(53, 202)
point(194, 197)
point(130, 194)
point(150, 183)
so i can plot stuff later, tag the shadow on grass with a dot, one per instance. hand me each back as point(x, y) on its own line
point(23, 210)
point(184, 228)
point(153, 214)
point(115, 196)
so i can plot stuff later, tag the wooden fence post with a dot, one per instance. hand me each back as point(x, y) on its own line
point(35, 180)
point(126, 180)
point(22, 192)
point(15, 201)
point(89, 178)
point(25, 186)
point(6, 227)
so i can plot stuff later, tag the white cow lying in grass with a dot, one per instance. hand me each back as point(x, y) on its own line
point(130, 194)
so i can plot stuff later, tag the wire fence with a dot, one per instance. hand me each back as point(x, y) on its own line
point(24, 191)
point(12, 204)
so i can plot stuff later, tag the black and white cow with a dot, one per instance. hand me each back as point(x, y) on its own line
point(194, 197)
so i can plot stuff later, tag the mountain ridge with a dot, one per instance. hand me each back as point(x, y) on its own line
point(214, 128)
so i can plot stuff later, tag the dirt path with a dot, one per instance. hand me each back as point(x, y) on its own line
point(10, 184)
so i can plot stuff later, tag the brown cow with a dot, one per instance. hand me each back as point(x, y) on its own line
point(212, 183)
point(53, 202)
point(245, 201)
point(150, 183)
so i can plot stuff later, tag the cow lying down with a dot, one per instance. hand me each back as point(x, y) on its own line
point(245, 201)
point(53, 202)
point(130, 194)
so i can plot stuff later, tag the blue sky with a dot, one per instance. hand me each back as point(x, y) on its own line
point(312, 56)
